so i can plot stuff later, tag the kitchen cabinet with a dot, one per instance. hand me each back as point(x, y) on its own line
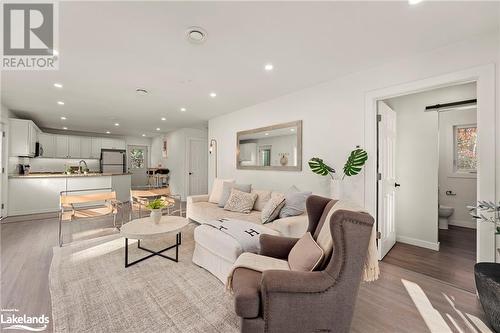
point(23, 137)
point(47, 144)
point(74, 147)
point(110, 143)
point(96, 148)
point(85, 147)
point(62, 146)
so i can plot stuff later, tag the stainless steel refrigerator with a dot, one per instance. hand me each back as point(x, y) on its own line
point(113, 161)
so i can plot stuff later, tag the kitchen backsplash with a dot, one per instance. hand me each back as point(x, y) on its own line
point(49, 164)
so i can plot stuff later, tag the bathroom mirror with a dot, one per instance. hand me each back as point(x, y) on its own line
point(277, 147)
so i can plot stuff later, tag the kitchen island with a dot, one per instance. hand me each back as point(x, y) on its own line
point(39, 192)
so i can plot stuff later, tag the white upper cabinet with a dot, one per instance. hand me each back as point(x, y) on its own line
point(62, 149)
point(110, 143)
point(74, 144)
point(96, 148)
point(85, 147)
point(47, 145)
point(23, 137)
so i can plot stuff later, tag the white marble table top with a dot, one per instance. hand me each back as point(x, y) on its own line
point(145, 228)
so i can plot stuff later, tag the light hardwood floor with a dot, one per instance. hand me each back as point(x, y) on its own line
point(400, 301)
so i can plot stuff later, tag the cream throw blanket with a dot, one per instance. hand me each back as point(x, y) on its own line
point(325, 241)
point(262, 263)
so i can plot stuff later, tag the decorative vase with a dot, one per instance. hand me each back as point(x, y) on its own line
point(156, 215)
point(283, 160)
point(336, 189)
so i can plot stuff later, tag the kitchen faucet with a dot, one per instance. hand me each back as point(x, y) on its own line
point(80, 166)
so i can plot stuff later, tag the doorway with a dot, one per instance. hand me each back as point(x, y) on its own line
point(427, 165)
point(197, 161)
point(138, 165)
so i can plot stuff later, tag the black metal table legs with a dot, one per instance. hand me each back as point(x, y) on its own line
point(178, 241)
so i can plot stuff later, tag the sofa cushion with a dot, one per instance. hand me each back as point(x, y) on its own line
point(205, 211)
point(217, 242)
point(246, 289)
point(263, 196)
point(305, 255)
point(240, 202)
point(226, 191)
point(272, 208)
point(295, 202)
point(217, 189)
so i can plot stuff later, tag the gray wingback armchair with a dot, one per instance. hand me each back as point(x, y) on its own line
point(318, 301)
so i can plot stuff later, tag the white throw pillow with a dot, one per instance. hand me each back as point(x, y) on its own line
point(217, 187)
point(263, 196)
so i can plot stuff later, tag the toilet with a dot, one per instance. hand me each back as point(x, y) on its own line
point(444, 214)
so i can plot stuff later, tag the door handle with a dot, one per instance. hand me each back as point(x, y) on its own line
point(190, 173)
point(397, 185)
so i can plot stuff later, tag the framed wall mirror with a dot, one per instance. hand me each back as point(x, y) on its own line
point(277, 147)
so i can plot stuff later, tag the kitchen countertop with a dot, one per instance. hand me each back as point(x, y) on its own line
point(63, 175)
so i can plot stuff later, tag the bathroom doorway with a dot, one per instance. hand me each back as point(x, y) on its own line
point(427, 158)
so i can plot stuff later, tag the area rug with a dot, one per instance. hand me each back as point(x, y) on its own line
point(92, 291)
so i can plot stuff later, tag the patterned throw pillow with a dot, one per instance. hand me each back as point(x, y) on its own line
point(226, 191)
point(272, 208)
point(240, 202)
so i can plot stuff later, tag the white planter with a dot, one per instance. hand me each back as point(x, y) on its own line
point(336, 189)
point(156, 215)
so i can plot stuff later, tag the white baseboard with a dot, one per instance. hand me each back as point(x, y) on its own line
point(418, 242)
point(461, 223)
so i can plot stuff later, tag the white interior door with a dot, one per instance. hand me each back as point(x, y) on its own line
point(387, 178)
point(138, 165)
point(197, 167)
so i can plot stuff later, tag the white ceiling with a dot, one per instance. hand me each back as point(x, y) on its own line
point(108, 49)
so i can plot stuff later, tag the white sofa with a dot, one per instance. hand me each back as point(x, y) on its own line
point(216, 251)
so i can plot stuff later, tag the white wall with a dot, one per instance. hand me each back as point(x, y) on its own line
point(417, 162)
point(465, 186)
point(333, 115)
point(176, 156)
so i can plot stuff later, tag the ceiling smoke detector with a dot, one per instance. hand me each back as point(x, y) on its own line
point(196, 35)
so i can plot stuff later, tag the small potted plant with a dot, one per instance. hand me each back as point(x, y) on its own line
point(352, 167)
point(156, 206)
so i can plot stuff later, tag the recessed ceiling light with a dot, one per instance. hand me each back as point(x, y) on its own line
point(213, 95)
point(60, 102)
point(268, 67)
point(266, 133)
point(183, 109)
point(63, 118)
point(163, 118)
point(117, 124)
point(58, 85)
point(65, 128)
point(196, 35)
point(144, 135)
point(157, 128)
point(108, 132)
point(414, 2)
point(141, 91)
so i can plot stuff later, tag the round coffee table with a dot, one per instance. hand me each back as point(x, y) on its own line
point(145, 228)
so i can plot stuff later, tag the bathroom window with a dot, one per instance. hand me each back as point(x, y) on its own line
point(465, 159)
